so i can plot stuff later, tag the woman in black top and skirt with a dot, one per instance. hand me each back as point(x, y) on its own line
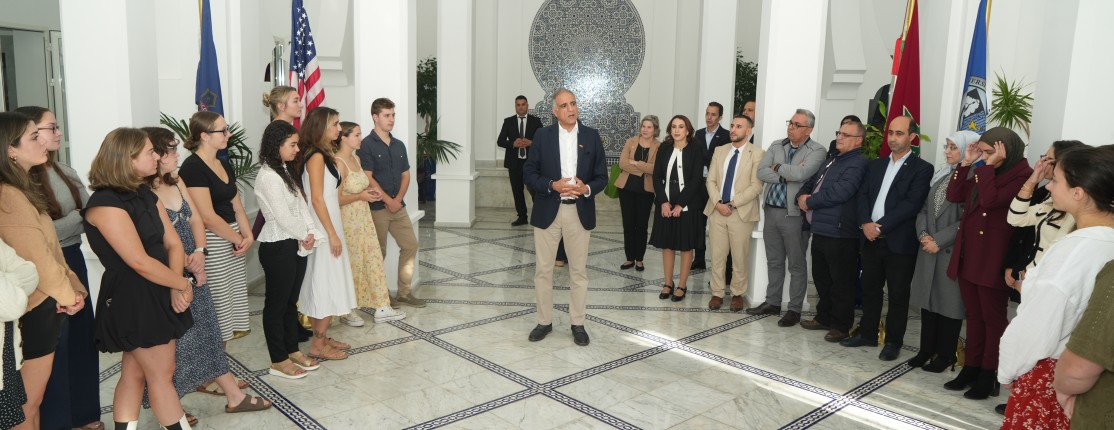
point(677, 179)
point(143, 306)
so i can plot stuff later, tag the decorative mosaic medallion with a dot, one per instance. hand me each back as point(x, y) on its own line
point(594, 48)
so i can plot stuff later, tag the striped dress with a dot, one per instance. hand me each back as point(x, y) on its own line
point(226, 271)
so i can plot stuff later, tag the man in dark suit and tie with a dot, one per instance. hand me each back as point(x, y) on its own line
point(566, 169)
point(893, 191)
point(712, 136)
point(516, 136)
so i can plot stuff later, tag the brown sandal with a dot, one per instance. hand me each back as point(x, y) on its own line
point(249, 404)
point(95, 425)
point(336, 343)
point(303, 362)
point(287, 370)
point(191, 419)
point(328, 353)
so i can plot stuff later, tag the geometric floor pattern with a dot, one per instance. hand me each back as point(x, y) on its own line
point(463, 362)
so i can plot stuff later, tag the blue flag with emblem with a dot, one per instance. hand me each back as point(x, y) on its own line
point(207, 93)
point(973, 108)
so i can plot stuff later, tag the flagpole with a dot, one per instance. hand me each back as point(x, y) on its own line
point(898, 55)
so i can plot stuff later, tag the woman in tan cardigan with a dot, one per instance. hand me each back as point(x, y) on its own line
point(25, 225)
point(636, 189)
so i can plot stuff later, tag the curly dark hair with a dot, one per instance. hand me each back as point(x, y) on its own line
point(273, 136)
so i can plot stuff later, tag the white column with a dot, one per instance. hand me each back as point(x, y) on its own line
point(385, 42)
point(1073, 85)
point(717, 57)
point(791, 64)
point(456, 186)
point(111, 78)
point(945, 47)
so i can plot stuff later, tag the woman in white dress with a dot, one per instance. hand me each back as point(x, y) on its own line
point(328, 289)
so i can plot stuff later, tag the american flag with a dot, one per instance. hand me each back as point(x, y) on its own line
point(305, 75)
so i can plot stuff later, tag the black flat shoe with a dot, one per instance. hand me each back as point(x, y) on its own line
point(1000, 409)
point(639, 266)
point(985, 386)
point(666, 294)
point(677, 298)
point(579, 335)
point(626, 265)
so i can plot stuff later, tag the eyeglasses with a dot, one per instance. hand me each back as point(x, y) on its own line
point(54, 128)
point(793, 125)
point(222, 131)
point(840, 134)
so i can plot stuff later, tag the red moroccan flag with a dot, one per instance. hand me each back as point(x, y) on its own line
point(906, 98)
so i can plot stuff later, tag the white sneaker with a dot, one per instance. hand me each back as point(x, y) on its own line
point(386, 313)
point(352, 319)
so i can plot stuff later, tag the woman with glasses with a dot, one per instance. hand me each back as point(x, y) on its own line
point(72, 398)
point(1000, 169)
point(26, 226)
point(933, 291)
point(199, 354)
point(211, 184)
point(678, 175)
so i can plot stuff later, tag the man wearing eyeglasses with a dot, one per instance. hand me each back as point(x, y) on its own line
point(787, 164)
point(893, 192)
point(830, 202)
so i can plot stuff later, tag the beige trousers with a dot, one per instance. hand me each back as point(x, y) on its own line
point(566, 225)
point(729, 234)
point(398, 225)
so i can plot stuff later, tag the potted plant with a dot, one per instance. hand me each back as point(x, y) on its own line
point(1012, 106)
point(240, 156)
point(431, 150)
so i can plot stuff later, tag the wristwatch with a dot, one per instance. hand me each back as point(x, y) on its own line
point(203, 250)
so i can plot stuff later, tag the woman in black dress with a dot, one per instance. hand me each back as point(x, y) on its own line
point(677, 179)
point(144, 299)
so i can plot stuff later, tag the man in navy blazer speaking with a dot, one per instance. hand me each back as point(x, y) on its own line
point(566, 168)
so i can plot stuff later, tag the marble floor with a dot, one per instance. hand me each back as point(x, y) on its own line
point(464, 361)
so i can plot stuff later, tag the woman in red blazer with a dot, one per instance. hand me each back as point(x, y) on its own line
point(998, 159)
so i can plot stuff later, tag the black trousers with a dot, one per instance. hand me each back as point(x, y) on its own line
point(885, 268)
point(834, 272)
point(284, 271)
point(635, 207)
point(939, 334)
point(701, 201)
point(515, 173)
point(72, 397)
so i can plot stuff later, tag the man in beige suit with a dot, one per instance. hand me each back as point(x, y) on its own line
point(732, 210)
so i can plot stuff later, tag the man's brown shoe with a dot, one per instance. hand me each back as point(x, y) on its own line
point(834, 335)
point(737, 303)
point(790, 319)
point(715, 303)
point(813, 324)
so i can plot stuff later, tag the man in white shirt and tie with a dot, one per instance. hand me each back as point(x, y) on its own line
point(516, 136)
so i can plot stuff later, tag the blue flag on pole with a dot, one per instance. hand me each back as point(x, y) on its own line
point(973, 108)
point(207, 94)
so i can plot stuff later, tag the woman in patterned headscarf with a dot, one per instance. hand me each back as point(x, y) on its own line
point(980, 248)
point(936, 294)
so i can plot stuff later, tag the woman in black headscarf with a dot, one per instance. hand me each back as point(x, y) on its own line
point(980, 249)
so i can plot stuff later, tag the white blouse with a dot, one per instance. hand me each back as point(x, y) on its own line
point(286, 213)
point(1055, 294)
point(18, 278)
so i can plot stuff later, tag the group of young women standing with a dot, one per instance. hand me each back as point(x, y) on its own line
point(173, 241)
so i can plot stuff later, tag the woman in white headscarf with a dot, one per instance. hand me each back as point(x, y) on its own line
point(936, 294)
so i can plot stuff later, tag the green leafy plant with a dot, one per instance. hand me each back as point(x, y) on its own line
point(432, 149)
point(240, 154)
point(746, 81)
point(1012, 106)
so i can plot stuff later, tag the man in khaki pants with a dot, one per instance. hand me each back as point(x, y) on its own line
point(732, 210)
point(566, 169)
point(385, 157)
